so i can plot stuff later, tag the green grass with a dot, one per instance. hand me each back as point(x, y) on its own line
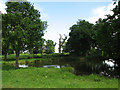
point(33, 77)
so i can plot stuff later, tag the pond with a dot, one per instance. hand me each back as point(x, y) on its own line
point(81, 67)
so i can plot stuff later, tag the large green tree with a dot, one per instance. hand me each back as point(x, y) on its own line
point(32, 24)
point(80, 38)
point(108, 34)
point(25, 26)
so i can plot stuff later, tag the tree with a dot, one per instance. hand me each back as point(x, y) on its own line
point(61, 42)
point(32, 23)
point(25, 26)
point(108, 34)
point(50, 46)
point(114, 21)
point(80, 38)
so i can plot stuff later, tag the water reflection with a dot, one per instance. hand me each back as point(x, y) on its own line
point(81, 67)
point(23, 66)
point(49, 66)
point(109, 62)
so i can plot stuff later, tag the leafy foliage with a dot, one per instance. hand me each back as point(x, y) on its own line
point(22, 27)
point(108, 34)
point(50, 46)
point(80, 38)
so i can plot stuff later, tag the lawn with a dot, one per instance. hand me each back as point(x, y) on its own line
point(33, 77)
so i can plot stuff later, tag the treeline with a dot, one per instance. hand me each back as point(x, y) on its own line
point(22, 29)
point(97, 40)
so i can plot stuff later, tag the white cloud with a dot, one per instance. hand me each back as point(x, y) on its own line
point(2, 7)
point(100, 12)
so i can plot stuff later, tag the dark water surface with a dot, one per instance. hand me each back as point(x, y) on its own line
point(81, 66)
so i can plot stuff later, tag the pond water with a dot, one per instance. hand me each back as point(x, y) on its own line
point(81, 67)
point(45, 66)
point(49, 66)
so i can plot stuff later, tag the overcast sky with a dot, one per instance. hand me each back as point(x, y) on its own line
point(62, 15)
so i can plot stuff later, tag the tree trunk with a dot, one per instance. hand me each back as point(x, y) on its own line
point(59, 49)
point(31, 53)
point(5, 56)
point(60, 43)
point(17, 58)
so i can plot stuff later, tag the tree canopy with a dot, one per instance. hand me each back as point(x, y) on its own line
point(108, 34)
point(50, 47)
point(22, 27)
point(80, 38)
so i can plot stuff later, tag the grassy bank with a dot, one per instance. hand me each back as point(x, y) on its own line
point(33, 77)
